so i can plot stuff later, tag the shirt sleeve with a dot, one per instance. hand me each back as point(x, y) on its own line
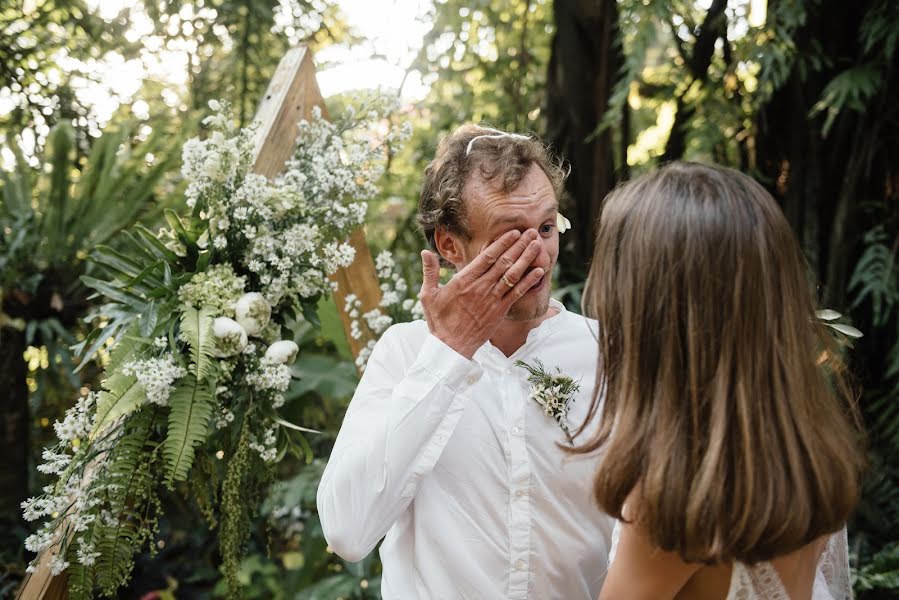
point(395, 429)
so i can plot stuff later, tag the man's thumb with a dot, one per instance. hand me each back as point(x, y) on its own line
point(430, 268)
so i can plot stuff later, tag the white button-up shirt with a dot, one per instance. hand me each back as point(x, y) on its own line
point(460, 469)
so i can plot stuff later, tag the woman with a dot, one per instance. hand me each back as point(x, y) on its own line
point(729, 443)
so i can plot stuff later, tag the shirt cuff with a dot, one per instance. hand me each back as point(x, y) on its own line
point(451, 368)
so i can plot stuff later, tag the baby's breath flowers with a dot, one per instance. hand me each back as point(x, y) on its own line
point(396, 306)
point(552, 391)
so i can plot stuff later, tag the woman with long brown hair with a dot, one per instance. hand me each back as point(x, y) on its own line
point(729, 443)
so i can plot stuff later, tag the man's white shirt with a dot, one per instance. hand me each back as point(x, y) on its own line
point(461, 470)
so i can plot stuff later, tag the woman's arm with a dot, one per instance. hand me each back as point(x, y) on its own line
point(642, 571)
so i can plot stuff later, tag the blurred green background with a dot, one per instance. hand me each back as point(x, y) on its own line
point(96, 98)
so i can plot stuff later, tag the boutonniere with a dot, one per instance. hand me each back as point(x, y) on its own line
point(552, 391)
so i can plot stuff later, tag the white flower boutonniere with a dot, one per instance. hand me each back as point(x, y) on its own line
point(552, 391)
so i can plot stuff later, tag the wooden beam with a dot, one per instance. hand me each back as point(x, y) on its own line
point(290, 98)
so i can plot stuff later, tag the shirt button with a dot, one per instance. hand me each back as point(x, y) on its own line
point(519, 493)
point(472, 379)
point(519, 564)
point(516, 431)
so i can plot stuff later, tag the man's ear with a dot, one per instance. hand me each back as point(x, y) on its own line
point(449, 245)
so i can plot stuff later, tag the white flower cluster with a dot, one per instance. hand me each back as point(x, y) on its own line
point(217, 162)
point(267, 449)
point(395, 306)
point(218, 287)
point(270, 377)
point(552, 396)
point(156, 376)
point(291, 233)
point(78, 421)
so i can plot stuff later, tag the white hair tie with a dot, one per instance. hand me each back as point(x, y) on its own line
point(497, 134)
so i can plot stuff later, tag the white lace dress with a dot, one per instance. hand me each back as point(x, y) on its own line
point(761, 582)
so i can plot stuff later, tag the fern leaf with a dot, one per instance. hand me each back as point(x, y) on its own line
point(196, 327)
point(131, 492)
point(122, 394)
point(191, 407)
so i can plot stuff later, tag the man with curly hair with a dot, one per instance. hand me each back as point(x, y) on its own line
point(443, 448)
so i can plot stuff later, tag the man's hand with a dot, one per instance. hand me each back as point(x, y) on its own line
point(465, 312)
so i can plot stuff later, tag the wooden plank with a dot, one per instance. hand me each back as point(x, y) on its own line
point(290, 97)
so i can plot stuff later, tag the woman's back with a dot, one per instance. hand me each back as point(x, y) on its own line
point(818, 571)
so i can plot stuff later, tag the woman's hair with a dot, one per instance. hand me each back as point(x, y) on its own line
point(726, 418)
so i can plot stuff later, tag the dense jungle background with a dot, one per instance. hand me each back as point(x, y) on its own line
point(799, 94)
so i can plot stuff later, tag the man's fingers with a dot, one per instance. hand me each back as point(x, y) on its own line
point(527, 282)
point(430, 269)
point(486, 259)
point(514, 271)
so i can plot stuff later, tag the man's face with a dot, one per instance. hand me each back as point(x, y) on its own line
point(532, 205)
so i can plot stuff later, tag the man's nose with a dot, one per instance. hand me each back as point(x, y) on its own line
point(542, 258)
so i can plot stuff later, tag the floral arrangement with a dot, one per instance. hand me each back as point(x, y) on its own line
point(201, 313)
point(552, 391)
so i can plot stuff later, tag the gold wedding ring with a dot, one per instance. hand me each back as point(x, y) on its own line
point(506, 281)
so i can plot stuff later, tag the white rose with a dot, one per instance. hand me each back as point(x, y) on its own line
point(231, 338)
point(252, 312)
point(282, 353)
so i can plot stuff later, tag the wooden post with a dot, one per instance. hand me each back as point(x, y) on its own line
point(290, 98)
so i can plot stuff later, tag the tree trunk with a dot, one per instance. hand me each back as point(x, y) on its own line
point(14, 427)
point(583, 68)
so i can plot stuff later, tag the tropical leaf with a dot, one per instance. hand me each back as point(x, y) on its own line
point(191, 407)
point(874, 278)
point(196, 329)
point(120, 394)
point(131, 493)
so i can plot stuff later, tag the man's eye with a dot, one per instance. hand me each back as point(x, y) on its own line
point(547, 228)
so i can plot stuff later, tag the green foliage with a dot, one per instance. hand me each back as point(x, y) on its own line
point(196, 329)
point(875, 277)
point(191, 407)
point(882, 572)
point(487, 62)
point(235, 518)
point(132, 502)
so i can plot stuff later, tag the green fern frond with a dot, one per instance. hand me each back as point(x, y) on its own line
point(122, 394)
point(882, 572)
point(131, 493)
point(191, 407)
point(196, 328)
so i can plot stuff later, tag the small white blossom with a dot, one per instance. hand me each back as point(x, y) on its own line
point(156, 376)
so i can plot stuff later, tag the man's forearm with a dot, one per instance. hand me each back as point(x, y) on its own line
point(396, 427)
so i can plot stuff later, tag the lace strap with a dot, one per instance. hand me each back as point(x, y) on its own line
point(834, 566)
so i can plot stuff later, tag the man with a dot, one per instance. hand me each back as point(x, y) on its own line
point(442, 449)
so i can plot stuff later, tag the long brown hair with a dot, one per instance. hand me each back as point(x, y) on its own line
point(725, 412)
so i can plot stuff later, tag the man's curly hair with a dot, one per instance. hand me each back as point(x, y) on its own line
point(507, 159)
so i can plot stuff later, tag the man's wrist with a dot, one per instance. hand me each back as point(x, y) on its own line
point(462, 347)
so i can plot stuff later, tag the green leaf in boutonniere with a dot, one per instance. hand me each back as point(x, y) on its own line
point(552, 391)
